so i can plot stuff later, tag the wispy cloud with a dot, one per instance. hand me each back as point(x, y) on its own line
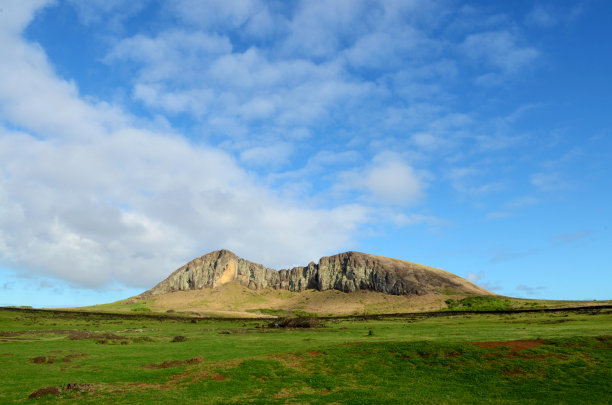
point(530, 290)
point(574, 236)
point(504, 255)
point(477, 278)
point(500, 49)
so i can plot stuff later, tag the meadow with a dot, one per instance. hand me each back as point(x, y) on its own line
point(533, 357)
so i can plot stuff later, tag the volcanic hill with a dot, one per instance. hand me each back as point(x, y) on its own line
point(347, 272)
point(352, 283)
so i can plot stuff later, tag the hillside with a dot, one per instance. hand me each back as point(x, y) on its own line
point(352, 283)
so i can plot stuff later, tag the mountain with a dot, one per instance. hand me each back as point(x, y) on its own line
point(347, 272)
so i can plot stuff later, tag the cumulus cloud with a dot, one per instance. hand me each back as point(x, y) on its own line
point(90, 197)
point(387, 180)
point(92, 194)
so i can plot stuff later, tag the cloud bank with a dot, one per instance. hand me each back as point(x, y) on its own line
point(280, 131)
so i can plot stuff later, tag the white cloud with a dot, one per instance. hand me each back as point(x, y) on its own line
point(548, 181)
point(468, 180)
point(475, 277)
point(273, 155)
point(387, 180)
point(85, 185)
point(16, 14)
point(111, 12)
point(90, 198)
point(217, 14)
point(500, 49)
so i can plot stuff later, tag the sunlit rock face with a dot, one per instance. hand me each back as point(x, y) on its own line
point(347, 272)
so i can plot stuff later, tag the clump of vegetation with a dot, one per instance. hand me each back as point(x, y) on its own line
point(299, 322)
point(142, 339)
point(43, 360)
point(179, 338)
point(141, 309)
point(42, 392)
point(479, 304)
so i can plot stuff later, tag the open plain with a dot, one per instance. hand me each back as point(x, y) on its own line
point(556, 357)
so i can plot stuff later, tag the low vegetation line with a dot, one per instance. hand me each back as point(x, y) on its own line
point(442, 313)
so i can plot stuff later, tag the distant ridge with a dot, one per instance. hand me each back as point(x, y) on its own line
point(347, 272)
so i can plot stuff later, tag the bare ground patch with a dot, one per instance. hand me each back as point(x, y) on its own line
point(174, 363)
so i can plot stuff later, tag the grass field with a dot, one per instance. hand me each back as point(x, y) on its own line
point(561, 357)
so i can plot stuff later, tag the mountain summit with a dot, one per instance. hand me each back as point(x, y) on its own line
point(347, 272)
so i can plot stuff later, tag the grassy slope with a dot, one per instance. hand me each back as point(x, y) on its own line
point(352, 361)
point(234, 300)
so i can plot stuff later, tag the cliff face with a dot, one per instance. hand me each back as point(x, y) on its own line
point(350, 271)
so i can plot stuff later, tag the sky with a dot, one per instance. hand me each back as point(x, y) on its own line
point(472, 136)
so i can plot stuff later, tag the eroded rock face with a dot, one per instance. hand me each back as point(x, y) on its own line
point(350, 271)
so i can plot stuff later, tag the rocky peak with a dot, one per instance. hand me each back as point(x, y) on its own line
point(349, 271)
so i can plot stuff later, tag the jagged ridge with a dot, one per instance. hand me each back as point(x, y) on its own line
point(347, 272)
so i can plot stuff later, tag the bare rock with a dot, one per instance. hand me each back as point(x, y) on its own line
point(347, 272)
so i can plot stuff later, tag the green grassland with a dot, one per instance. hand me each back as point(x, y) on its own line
point(558, 357)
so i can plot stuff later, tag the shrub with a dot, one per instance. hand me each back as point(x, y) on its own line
point(141, 309)
point(179, 338)
point(300, 322)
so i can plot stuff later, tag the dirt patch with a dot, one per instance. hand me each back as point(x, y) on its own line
point(290, 360)
point(515, 345)
point(218, 377)
point(189, 377)
point(314, 354)
point(70, 357)
point(175, 363)
point(292, 392)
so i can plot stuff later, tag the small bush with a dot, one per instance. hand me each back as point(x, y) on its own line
point(301, 322)
point(179, 338)
point(141, 309)
point(44, 392)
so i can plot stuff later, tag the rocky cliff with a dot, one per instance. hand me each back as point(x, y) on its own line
point(350, 271)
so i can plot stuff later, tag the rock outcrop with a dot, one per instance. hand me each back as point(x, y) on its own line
point(347, 272)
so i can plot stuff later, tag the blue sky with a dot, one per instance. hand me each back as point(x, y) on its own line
point(470, 136)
